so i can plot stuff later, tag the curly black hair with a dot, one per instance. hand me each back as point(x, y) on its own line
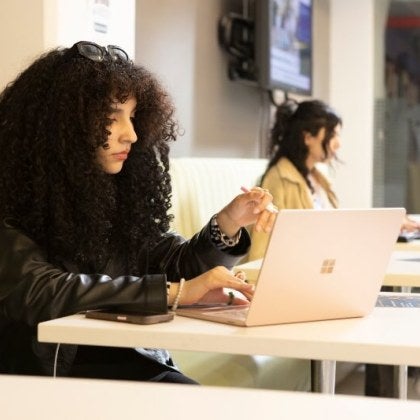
point(53, 118)
point(292, 121)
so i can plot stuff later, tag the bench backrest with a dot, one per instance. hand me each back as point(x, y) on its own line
point(203, 186)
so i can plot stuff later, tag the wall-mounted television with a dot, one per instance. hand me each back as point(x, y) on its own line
point(283, 45)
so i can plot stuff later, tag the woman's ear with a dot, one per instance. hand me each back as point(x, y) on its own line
point(310, 139)
point(307, 138)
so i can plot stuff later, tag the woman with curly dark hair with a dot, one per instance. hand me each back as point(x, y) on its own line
point(84, 213)
point(303, 135)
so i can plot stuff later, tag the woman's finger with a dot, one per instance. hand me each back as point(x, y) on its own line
point(262, 221)
point(233, 298)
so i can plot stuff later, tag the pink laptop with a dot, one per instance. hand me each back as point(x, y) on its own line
point(319, 264)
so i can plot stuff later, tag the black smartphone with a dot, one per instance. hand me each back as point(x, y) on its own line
point(133, 318)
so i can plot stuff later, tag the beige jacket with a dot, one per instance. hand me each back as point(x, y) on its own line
point(290, 191)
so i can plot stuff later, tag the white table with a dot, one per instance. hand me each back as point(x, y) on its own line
point(403, 273)
point(408, 246)
point(387, 336)
point(403, 270)
point(45, 398)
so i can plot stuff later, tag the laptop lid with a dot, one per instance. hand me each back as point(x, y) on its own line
point(319, 264)
point(324, 264)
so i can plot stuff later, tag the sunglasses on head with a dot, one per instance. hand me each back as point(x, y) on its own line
point(97, 53)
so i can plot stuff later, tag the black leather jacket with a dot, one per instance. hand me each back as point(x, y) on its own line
point(33, 290)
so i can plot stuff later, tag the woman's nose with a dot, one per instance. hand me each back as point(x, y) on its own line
point(128, 133)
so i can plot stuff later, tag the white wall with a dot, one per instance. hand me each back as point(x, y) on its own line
point(67, 22)
point(21, 32)
point(28, 28)
point(166, 45)
point(352, 58)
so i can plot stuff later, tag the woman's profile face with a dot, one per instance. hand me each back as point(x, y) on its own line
point(335, 142)
point(122, 136)
point(315, 145)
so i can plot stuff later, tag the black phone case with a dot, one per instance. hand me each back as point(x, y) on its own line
point(132, 318)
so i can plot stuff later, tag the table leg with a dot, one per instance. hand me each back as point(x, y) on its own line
point(323, 376)
point(401, 372)
point(400, 381)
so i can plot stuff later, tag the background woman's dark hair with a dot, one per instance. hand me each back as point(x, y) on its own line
point(53, 118)
point(292, 121)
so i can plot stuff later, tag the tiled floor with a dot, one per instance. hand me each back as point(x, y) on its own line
point(353, 384)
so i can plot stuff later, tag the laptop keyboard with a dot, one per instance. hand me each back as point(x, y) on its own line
point(398, 301)
point(232, 313)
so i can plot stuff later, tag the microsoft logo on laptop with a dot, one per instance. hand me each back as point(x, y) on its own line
point(327, 266)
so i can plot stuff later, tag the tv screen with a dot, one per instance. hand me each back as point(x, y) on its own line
point(283, 45)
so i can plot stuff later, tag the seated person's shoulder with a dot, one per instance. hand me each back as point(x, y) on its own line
point(13, 238)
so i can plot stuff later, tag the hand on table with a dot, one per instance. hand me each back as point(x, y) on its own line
point(409, 225)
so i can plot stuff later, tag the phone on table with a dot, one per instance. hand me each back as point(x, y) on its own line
point(133, 318)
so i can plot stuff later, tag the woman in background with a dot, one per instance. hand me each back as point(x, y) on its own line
point(303, 135)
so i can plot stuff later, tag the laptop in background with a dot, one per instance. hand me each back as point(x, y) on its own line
point(398, 300)
point(319, 264)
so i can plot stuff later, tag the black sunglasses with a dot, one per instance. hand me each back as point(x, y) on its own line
point(98, 53)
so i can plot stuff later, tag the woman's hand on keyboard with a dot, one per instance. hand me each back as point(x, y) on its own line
point(209, 288)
